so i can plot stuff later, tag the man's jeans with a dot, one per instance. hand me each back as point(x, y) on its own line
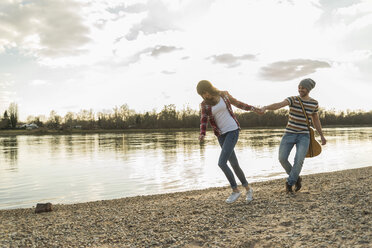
point(227, 142)
point(302, 142)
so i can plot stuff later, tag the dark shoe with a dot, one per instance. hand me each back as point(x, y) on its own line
point(298, 184)
point(288, 188)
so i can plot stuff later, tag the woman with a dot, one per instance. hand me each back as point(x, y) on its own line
point(217, 108)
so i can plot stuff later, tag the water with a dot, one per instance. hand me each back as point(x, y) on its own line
point(81, 168)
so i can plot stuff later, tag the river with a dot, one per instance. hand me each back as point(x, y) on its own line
point(80, 168)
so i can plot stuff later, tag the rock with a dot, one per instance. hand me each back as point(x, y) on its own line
point(286, 223)
point(43, 207)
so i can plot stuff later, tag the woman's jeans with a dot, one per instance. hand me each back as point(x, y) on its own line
point(302, 141)
point(227, 142)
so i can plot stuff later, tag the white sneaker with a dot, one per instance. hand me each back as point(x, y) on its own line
point(233, 197)
point(249, 196)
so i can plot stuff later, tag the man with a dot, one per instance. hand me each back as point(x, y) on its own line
point(297, 132)
point(216, 107)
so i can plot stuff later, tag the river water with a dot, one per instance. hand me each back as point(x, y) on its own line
point(80, 168)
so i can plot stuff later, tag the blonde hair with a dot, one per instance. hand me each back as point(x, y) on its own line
point(204, 86)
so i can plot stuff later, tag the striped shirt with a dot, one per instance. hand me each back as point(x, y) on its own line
point(297, 120)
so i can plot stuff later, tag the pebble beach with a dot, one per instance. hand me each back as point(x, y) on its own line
point(331, 210)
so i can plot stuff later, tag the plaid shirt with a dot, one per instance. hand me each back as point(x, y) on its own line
point(206, 112)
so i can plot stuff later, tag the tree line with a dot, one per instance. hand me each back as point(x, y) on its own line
point(168, 117)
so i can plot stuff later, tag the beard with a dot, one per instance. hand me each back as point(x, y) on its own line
point(303, 94)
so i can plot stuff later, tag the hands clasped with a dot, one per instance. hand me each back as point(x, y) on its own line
point(260, 111)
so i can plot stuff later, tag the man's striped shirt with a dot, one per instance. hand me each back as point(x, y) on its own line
point(297, 119)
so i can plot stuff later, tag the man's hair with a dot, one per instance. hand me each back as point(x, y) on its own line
point(205, 86)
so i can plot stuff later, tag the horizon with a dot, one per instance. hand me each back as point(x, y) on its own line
point(152, 53)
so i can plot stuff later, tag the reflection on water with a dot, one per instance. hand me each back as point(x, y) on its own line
point(9, 149)
point(79, 168)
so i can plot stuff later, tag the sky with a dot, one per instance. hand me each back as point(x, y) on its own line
point(69, 55)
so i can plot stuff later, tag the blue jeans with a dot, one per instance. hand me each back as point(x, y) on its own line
point(302, 141)
point(227, 142)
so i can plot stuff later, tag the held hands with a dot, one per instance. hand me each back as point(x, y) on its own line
point(263, 109)
point(259, 111)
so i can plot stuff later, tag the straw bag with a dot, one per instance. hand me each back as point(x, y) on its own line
point(314, 147)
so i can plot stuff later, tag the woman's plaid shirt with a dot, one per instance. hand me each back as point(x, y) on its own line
point(206, 112)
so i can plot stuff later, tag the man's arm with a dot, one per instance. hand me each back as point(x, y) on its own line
point(275, 106)
point(318, 127)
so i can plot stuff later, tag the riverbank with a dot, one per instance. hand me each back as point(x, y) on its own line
point(332, 210)
point(44, 131)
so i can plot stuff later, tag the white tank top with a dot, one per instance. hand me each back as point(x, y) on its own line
point(223, 118)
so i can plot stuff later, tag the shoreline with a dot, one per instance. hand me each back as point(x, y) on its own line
point(43, 131)
point(332, 209)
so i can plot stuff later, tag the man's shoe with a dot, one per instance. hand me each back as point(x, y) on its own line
point(249, 196)
point(298, 184)
point(233, 197)
point(288, 188)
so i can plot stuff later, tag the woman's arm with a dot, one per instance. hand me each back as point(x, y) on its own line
point(318, 127)
point(242, 105)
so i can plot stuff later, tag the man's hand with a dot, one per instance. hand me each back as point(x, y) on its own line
point(259, 111)
point(263, 109)
point(201, 137)
point(324, 141)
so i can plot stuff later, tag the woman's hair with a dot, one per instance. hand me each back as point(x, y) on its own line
point(205, 86)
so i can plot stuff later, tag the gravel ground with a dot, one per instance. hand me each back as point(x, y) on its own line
point(332, 210)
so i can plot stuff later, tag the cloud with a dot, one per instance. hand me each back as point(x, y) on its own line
point(158, 50)
point(291, 69)
point(230, 60)
point(50, 28)
point(134, 8)
point(153, 52)
point(330, 8)
point(38, 82)
point(166, 16)
point(165, 95)
point(168, 72)
point(159, 19)
point(357, 31)
point(6, 95)
point(359, 39)
point(70, 107)
point(332, 5)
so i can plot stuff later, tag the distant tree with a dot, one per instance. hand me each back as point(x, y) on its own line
point(13, 114)
point(104, 120)
point(69, 119)
point(149, 120)
point(39, 120)
point(30, 119)
point(5, 122)
point(54, 120)
point(123, 117)
point(86, 118)
point(168, 116)
point(189, 117)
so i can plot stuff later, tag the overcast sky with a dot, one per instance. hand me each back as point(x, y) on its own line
point(68, 55)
